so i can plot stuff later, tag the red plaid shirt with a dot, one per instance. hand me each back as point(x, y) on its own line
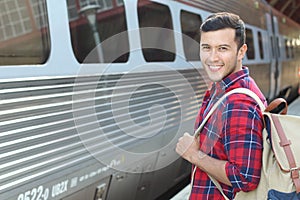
point(233, 133)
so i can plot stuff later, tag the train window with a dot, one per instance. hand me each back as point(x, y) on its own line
point(250, 44)
point(278, 47)
point(272, 46)
point(260, 44)
point(24, 32)
point(292, 51)
point(94, 22)
point(190, 27)
point(286, 48)
point(120, 2)
point(157, 37)
point(72, 10)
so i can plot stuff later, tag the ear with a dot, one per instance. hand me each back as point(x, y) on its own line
point(242, 52)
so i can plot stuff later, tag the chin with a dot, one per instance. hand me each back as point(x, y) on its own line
point(215, 78)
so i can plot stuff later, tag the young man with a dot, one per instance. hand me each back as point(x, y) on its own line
point(229, 147)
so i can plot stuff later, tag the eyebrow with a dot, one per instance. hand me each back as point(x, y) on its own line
point(221, 45)
point(226, 45)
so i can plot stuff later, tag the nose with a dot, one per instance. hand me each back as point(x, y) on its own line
point(213, 55)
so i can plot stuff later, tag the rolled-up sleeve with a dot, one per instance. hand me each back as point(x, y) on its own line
point(243, 144)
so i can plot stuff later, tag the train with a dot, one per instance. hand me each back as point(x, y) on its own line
point(94, 94)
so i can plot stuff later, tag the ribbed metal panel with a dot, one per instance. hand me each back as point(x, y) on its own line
point(39, 136)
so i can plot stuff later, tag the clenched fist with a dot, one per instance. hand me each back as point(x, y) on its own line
point(188, 147)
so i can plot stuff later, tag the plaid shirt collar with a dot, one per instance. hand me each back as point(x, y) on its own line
point(219, 88)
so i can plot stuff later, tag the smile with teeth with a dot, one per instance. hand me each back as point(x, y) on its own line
point(215, 67)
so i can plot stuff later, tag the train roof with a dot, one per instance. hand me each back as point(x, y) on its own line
point(289, 8)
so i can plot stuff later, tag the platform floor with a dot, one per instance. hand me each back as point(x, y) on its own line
point(293, 109)
point(183, 194)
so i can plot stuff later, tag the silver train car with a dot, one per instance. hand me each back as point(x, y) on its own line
point(95, 93)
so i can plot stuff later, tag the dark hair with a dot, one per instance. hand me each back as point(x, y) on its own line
point(224, 20)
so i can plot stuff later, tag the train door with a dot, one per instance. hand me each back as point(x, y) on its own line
point(275, 65)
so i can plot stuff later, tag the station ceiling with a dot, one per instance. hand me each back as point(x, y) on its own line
point(290, 8)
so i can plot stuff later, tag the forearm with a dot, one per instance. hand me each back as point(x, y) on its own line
point(188, 148)
point(212, 166)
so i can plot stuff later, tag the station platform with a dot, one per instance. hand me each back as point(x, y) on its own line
point(293, 109)
point(183, 194)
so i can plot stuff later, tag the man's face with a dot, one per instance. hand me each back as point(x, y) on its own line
point(219, 54)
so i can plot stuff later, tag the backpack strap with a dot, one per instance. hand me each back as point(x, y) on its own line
point(276, 103)
point(285, 144)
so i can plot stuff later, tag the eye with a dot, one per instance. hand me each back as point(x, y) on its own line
point(222, 49)
point(205, 48)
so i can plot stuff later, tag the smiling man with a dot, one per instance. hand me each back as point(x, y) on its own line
point(229, 147)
